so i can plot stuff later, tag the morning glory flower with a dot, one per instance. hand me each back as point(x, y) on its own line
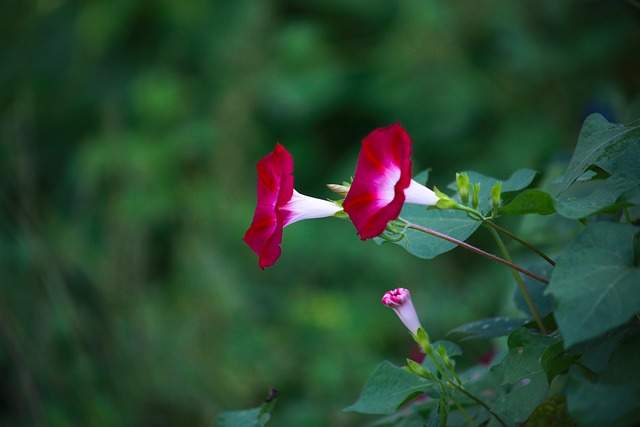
point(279, 205)
point(400, 301)
point(383, 183)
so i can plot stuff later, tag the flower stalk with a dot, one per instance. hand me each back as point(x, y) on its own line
point(473, 249)
point(518, 279)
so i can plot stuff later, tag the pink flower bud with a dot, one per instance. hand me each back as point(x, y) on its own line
point(400, 301)
point(382, 182)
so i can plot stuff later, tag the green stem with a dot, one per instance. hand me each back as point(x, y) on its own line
point(516, 276)
point(463, 412)
point(429, 350)
point(586, 371)
point(477, 215)
point(627, 217)
point(519, 240)
point(481, 403)
point(473, 249)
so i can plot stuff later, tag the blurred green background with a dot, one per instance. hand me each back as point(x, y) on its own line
point(129, 133)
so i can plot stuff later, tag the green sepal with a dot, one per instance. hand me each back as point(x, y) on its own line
point(422, 338)
point(440, 194)
point(446, 204)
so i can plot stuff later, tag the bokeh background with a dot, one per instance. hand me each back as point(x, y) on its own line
point(129, 133)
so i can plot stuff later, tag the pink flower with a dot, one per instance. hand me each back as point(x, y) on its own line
point(400, 301)
point(382, 183)
point(279, 205)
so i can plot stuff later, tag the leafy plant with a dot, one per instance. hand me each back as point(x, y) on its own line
point(573, 353)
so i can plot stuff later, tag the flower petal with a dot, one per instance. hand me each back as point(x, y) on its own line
point(383, 173)
point(275, 189)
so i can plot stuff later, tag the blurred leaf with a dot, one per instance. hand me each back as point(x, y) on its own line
point(595, 281)
point(600, 143)
point(411, 420)
point(613, 399)
point(247, 417)
point(387, 388)
point(556, 360)
point(254, 417)
point(487, 328)
point(521, 369)
point(530, 202)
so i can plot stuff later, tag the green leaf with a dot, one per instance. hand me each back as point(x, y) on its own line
point(387, 388)
point(614, 399)
point(600, 143)
point(595, 282)
point(254, 417)
point(243, 418)
point(487, 328)
point(412, 420)
point(522, 370)
point(595, 354)
point(530, 202)
point(556, 360)
point(586, 198)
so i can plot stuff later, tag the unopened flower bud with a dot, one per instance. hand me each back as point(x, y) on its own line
point(462, 180)
point(418, 369)
point(340, 189)
point(496, 190)
point(475, 194)
point(400, 301)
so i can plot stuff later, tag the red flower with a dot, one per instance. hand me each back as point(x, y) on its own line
point(382, 183)
point(279, 205)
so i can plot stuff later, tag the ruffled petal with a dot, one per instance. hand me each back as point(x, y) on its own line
point(279, 205)
point(383, 173)
point(275, 189)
